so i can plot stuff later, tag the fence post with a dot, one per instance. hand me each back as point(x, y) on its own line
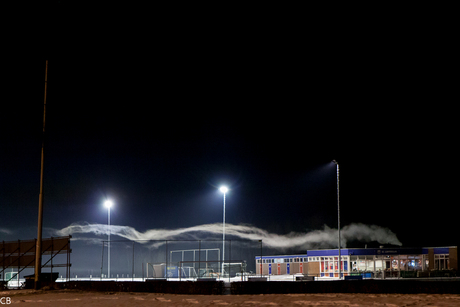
point(19, 259)
point(132, 273)
point(229, 263)
point(199, 258)
point(52, 250)
point(166, 268)
point(261, 262)
point(102, 260)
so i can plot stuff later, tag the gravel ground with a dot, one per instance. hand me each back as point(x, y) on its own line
point(85, 298)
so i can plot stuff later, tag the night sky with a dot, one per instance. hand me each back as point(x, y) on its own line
point(159, 126)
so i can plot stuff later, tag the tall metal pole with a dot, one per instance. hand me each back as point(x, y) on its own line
point(223, 241)
point(132, 272)
point(338, 219)
point(261, 267)
point(108, 258)
point(224, 190)
point(38, 249)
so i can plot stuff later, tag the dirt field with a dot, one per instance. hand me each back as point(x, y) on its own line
point(82, 298)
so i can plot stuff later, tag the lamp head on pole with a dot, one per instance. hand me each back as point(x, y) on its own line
point(108, 204)
point(335, 162)
point(223, 189)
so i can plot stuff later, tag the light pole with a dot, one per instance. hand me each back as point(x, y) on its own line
point(338, 218)
point(108, 205)
point(223, 190)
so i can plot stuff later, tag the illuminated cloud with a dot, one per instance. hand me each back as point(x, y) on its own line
point(5, 231)
point(325, 238)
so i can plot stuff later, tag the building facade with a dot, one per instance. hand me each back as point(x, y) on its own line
point(282, 264)
point(373, 262)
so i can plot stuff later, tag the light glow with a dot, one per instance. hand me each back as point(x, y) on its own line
point(108, 203)
point(223, 189)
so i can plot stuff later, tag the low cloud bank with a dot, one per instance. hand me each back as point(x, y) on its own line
point(325, 238)
point(5, 231)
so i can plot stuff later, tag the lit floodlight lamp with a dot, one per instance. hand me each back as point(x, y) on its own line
point(223, 189)
point(108, 203)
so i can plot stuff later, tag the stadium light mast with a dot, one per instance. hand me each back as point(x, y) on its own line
point(224, 190)
point(108, 204)
point(338, 218)
point(38, 246)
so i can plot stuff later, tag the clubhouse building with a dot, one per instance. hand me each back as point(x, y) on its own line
point(369, 262)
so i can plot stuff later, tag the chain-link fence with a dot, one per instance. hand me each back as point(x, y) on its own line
point(181, 259)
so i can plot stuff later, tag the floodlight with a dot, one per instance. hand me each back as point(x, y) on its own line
point(108, 203)
point(223, 190)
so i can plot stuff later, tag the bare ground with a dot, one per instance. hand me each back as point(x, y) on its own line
point(110, 299)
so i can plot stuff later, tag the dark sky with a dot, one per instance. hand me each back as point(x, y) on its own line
point(158, 124)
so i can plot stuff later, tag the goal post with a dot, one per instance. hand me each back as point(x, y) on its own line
point(212, 268)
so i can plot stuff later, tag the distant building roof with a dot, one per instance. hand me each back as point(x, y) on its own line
point(378, 251)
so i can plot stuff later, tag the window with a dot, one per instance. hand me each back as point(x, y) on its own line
point(441, 262)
